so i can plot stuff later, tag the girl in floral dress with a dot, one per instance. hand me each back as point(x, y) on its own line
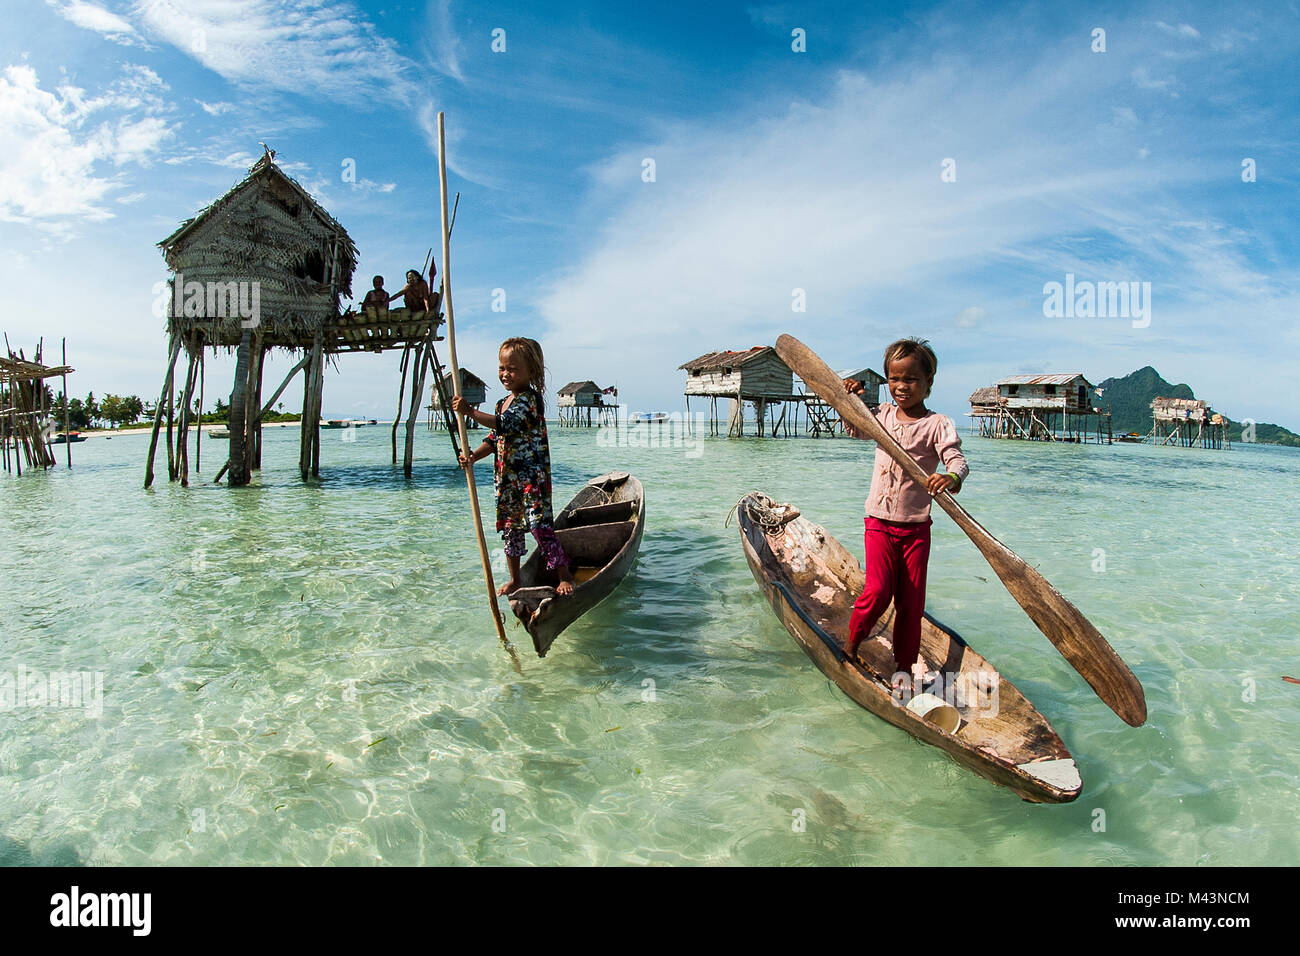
point(522, 473)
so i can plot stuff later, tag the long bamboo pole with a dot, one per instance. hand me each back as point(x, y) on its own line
point(67, 437)
point(455, 381)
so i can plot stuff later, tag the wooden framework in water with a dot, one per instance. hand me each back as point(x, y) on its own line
point(1187, 423)
point(27, 422)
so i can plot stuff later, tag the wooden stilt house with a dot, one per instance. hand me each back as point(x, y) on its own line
point(578, 403)
point(1040, 408)
point(267, 267)
point(472, 388)
point(756, 375)
point(1187, 423)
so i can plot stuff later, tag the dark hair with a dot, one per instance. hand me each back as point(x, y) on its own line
point(379, 279)
point(906, 348)
point(530, 351)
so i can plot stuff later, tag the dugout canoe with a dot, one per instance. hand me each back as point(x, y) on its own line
point(600, 530)
point(811, 582)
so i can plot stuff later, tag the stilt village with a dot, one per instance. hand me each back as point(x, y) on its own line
point(266, 267)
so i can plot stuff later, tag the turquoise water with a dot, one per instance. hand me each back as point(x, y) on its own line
point(310, 674)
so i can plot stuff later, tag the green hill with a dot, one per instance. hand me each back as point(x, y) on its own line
point(1129, 400)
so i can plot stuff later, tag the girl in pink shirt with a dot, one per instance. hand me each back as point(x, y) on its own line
point(897, 538)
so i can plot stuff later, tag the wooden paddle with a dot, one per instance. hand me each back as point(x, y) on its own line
point(1073, 634)
point(455, 384)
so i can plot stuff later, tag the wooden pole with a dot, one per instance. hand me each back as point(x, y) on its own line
point(67, 440)
point(455, 384)
point(158, 412)
point(239, 466)
point(198, 431)
point(401, 396)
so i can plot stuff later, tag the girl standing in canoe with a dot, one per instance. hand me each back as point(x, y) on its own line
point(897, 538)
point(522, 472)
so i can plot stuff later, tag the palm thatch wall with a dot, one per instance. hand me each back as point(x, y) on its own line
point(268, 230)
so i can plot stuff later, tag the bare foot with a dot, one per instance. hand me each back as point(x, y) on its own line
point(508, 588)
point(566, 582)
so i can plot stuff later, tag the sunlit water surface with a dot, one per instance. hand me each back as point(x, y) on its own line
point(309, 673)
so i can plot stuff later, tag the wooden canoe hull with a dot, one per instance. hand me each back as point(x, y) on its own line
point(811, 582)
point(600, 530)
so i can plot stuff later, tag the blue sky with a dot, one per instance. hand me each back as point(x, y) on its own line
point(774, 170)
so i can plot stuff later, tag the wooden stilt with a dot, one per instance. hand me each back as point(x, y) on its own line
point(418, 370)
point(198, 431)
point(257, 404)
point(171, 415)
point(319, 363)
point(158, 412)
point(239, 471)
point(182, 431)
point(304, 431)
point(401, 395)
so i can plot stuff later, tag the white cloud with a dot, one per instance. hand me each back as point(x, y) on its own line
point(52, 171)
point(91, 17)
point(968, 318)
point(444, 44)
point(843, 198)
point(1185, 30)
point(216, 109)
point(327, 48)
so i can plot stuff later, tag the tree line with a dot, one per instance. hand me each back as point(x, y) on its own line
point(120, 411)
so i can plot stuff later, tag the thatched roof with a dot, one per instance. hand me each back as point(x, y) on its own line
point(269, 230)
point(573, 388)
point(988, 395)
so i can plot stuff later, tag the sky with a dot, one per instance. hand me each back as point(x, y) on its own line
point(649, 182)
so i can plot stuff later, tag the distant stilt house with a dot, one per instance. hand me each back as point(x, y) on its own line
point(579, 401)
point(1040, 408)
point(824, 420)
point(1188, 423)
point(472, 388)
point(755, 375)
point(266, 267)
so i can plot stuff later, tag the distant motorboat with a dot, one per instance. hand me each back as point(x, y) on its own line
point(67, 439)
point(651, 418)
point(219, 432)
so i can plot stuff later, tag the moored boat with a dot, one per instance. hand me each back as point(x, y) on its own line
point(811, 582)
point(600, 531)
point(71, 437)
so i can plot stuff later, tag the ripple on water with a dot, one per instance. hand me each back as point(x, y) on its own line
point(308, 674)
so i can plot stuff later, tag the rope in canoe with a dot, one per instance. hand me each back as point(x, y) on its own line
point(764, 512)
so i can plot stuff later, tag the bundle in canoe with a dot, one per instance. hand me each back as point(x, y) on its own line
point(811, 581)
point(600, 531)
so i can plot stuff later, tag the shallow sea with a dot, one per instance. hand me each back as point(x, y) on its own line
point(309, 673)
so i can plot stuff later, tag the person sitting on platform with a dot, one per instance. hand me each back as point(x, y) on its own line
point(415, 294)
point(376, 297)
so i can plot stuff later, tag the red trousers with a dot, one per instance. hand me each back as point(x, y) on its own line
point(896, 557)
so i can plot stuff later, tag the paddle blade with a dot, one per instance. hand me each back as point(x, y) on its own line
point(1079, 642)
